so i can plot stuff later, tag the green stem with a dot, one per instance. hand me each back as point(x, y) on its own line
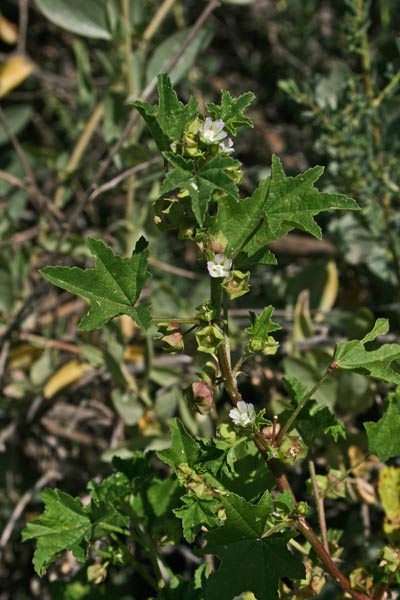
point(182, 320)
point(344, 475)
point(393, 83)
point(297, 411)
point(114, 529)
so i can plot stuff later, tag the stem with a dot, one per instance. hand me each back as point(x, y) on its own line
point(227, 375)
point(157, 20)
point(319, 501)
point(183, 320)
point(295, 413)
point(283, 484)
point(79, 150)
point(114, 529)
point(393, 83)
point(127, 46)
point(344, 475)
point(330, 566)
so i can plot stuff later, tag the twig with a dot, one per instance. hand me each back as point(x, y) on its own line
point(80, 148)
point(345, 474)
point(23, 502)
point(37, 197)
point(48, 343)
point(299, 408)
point(12, 180)
point(112, 183)
point(160, 264)
point(23, 26)
point(158, 18)
point(319, 501)
point(276, 468)
point(104, 165)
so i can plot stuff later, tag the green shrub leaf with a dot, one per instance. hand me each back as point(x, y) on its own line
point(87, 18)
point(231, 111)
point(251, 560)
point(64, 525)
point(111, 288)
point(353, 356)
point(383, 436)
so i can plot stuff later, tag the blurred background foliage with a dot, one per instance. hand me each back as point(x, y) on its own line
point(76, 161)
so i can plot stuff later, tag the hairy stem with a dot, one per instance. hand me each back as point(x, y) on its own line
point(296, 412)
point(277, 470)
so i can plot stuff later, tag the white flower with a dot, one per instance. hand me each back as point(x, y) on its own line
point(212, 132)
point(226, 146)
point(220, 266)
point(243, 415)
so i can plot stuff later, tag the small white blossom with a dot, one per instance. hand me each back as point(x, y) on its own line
point(243, 415)
point(220, 266)
point(212, 132)
point(226, 146)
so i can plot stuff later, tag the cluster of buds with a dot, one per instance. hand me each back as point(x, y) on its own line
point(171, 337)
point(204, 137)
point(200, 394)
point(268, 346)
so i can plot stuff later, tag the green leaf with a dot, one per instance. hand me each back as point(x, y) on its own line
point(352, 356)
point(111, 288)
point(262, 325)
point(292, 202)
point(184, 448)
point(314, 420)
point(173, 115)
point(237, 221)
point(279, 205)
point(86, 18)
point(169, 46)
point(200, 183)
point(251, 559)
point(18, 117)
point(149, 114)
point(383, 436)
point(195, 513)
point(169, 119)
point(64, 525)
point(231, 111)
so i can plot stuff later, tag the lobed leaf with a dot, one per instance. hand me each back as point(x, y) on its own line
point(245, 534)
point(279, 205)
point(64, 525)
point(184, 448)
point(383, 436)
point(200, 183)
point(169, 119)
point(231, 111)
point(111, 288)
point(352, 356)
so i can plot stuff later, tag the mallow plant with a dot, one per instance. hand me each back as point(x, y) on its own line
point(229, 497)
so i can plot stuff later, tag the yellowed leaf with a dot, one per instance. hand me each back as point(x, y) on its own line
point(389, 491)
point(69, 373)
point(331, 289)
point(134, 353)
point(8, 31)
point(23, 356)
point(13, 72)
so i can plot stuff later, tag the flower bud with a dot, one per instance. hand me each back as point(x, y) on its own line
point(96, 573)
point(200, 397)
point(268, 347)
point(236, 284)
point(206, 312)
point(209, 338)
point(171, 337)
